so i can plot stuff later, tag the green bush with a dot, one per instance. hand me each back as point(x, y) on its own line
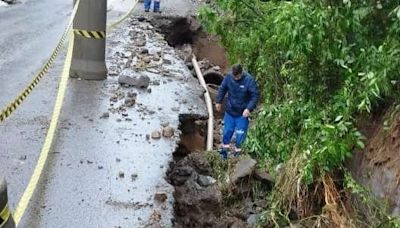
point(319, 65)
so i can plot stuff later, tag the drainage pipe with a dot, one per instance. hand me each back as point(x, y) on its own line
point(210, 125)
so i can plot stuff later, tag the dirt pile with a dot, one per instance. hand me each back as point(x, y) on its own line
point(378, 165)
point(198, 203)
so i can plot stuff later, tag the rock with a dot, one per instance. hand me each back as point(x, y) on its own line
point(156, 58)
point(114, 98)
point(167, 61)
point(134, 177)
point(149, 90)
point(252, 220)
point(156, 135)
point(121, 174)
point(22, 158)
point(105, 115)
point(156, 82)
point(127, 80)
point(143, 82)
point(129, 102)
point(168, 132)
point(165, 124)
point(205, 181)
point(243, 169)
point(140, 43)
point(147, 137)
point(131, 95)
point(160, 197)
point(175, 109)
point(147, 59)
point(263, 177)
point(144, 51)
point(100, 167)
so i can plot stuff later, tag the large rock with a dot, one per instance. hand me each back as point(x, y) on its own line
point(243, 168)
point(127, 80)
point(141, 82)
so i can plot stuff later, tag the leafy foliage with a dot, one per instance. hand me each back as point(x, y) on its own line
point(319, 64)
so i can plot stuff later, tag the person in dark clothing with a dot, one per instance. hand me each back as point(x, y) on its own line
point(242, 99)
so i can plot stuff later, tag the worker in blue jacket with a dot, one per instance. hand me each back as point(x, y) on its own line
point(242, 99)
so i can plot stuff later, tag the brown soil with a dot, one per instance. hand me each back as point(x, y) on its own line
point(197, 205)
point(180, 31)
point(208, 47)
point(378, 165)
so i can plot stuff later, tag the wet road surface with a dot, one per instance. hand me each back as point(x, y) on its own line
point(82, 185)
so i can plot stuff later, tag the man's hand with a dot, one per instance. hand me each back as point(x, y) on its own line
point(218, 107)
point(246, 113)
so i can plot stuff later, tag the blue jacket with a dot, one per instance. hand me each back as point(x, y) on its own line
point(242, 94)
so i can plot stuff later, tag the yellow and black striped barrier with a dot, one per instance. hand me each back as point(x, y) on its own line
point(12, 106)
point(6, 219)
point(90, 34)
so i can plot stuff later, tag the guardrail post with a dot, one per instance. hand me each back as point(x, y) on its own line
point(6, 219)
point(88, 59)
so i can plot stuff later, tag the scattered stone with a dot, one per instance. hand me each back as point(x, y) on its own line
point(89, 162)
point(149, 90)
point(144, 51)
point(140, 43)
point(156, 134)
point(156, 58)
point(156, 82)
point(175, 109)
point(114, 98)
point(121, 174)
point(131, 95)
point(168, 132)
point(151, 112)
point(147, 137)
point(263, 177)
point(134, 177)
point(119, 120)
point(167, 61)
point(22, 158)
point(147, 59)
point(100, 167)
point(165, 124)
point(243, 169)
point(128, 119)
point(129, 102)
point(117, 160)
point(143, 82)
point(124, 114)
point(206, 181)
point(105, 115)
point(160, 197)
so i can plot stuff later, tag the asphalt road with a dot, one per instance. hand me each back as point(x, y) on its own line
point(82, 184)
